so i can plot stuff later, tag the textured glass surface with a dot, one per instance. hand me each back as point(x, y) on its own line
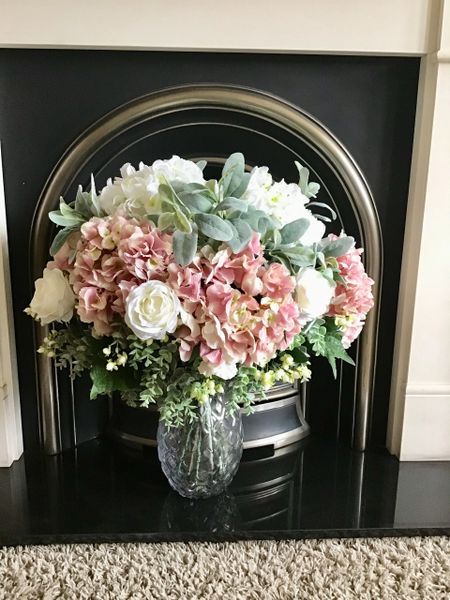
point(201, 458)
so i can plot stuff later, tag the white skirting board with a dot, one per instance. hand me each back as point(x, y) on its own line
point(426, 424)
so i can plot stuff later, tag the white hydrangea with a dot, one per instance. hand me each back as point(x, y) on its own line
point(257, 192)
point(136, 191)
point(282, 201)
point(177, 168)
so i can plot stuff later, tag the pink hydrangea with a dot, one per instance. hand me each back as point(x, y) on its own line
point(146, 253)
point(95, 307)
point(353, 298)
point(112, 255)
point(277, 281)
point(236, 308)
point(244, 309)
point(186, 281)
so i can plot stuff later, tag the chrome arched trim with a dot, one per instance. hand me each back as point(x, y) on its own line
point(247, 101)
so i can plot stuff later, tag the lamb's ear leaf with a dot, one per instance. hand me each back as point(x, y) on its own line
point(67, 220)
point(322, 205)
point(166, 194)
point(96, 208)
point(338, 247)
point(201, 164)
point(214, 227)
point(64, 208)
point(83, 203)
point(259, 221)
point(300, 256)
point(313, 189)
point(184, 247)
point(233, 205)
point(277, 241)
point(243, 185)
point(242, 235)
point(196, 202)
point(166, 220)
point(232, 173)
point(294, 230)
point(182, 222)
point(60, 238)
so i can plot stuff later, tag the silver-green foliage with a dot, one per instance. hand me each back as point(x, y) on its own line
point(72, 216)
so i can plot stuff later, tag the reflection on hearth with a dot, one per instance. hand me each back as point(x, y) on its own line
point(214, 515)
point(262, 495)
point(105, 492)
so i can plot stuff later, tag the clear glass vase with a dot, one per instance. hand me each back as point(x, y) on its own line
point(201, 458)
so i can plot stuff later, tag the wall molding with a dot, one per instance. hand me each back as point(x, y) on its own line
point(397, 27)
point(428, 389)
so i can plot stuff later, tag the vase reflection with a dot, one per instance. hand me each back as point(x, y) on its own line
point(265, 494)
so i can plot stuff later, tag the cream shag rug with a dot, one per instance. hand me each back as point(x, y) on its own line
point(389, 568)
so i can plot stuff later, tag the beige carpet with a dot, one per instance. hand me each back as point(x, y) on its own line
point(389, 568)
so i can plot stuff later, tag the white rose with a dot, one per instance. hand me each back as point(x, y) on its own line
point(224, 370)
point(53, 298)
point(313, 293)
point(178, 169)
point(152, 310)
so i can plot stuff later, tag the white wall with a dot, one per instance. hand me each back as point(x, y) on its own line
point(10, 419)
point(419, 424)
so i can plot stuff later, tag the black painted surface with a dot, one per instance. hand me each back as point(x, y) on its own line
point(47, 98)
point(103, 492)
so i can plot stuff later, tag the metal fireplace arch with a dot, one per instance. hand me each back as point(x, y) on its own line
point(262, 108)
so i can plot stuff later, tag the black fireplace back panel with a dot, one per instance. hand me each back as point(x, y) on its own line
point(48, 98)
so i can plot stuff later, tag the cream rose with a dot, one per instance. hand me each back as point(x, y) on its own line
point(152, 310)
point(53, 298)
point(313, 293)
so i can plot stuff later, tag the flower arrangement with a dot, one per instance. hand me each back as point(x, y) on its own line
point(171, 287)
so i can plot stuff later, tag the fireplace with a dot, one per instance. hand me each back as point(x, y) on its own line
point(372, 115)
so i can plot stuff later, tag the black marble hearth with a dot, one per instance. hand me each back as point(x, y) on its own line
point(102, 492)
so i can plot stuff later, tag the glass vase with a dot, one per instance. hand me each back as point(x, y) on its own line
point(201, 457)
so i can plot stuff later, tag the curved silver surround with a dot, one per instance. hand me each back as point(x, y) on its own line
point(246, 101)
